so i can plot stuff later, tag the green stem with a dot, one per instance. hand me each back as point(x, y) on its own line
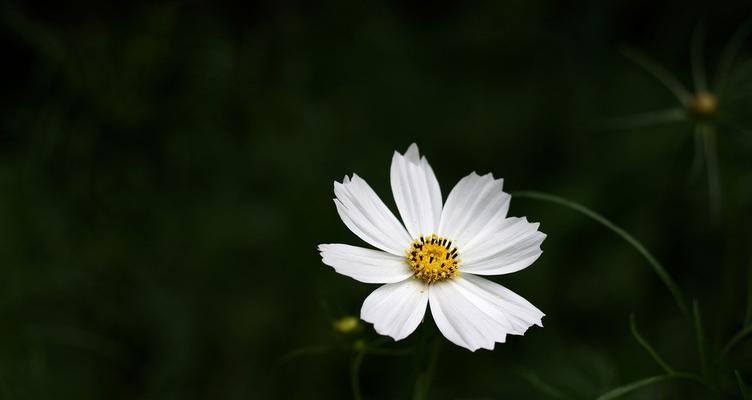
point(748, 310)
point(543, 386)
point(642, 120)
point(730, 51)
point(648, 347)
point(631, 387)
point(355, 373)
point(657, 267)
point(661, 74)
point(714, 181)
point(742, 385)
point(698, 156)
point(733, 342)
point(391, 352)
point(700, 340)
point(303, 351)
point(423, 385)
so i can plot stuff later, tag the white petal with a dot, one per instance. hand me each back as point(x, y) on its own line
point(474, 312)
point(367, 216)
point(513, 247)
point(475, 206)
point(365, 265)
point(416, 192)
point(396, 309)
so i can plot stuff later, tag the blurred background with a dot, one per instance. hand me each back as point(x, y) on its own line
point(166, 172)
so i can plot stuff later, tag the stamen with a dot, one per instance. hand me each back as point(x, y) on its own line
point(433, 258)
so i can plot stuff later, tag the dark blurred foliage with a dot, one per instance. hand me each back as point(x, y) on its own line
point(166, 171)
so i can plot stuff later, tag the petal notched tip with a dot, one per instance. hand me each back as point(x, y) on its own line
point(412, 153)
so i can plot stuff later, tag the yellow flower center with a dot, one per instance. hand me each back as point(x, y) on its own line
point(433, 258)
point(346, 324)
point(703, 105)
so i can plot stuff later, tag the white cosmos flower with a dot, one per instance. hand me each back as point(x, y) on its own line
point(437, 257)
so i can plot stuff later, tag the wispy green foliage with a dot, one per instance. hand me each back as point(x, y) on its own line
point(652, 261)
point(648, 348)
point(166, 174)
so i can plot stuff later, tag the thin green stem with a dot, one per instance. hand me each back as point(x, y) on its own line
point(391, 352)
point(423, 384)
point(543, 386)
point(730, 51)
point(698, 157)
point(648, 347)
point(357, 361)
point(631, 387)
point(748, 309)
point(714, 181)
point(700, 336)
point(736, 339)
point(652, 261)
point(641, 120)
point(661, 74)
point(742, 386)
point(303, 351)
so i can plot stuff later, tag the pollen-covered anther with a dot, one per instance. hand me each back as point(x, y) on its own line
point(433, 258)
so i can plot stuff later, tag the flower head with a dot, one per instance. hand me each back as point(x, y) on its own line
point(438, 256)
point(346, 325)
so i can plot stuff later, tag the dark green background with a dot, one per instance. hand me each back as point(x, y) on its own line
point(166, 172)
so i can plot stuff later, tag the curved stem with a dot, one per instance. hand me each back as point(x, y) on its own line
point(657, 267)
point(423, 385)
point(355, 373)
point(730, 51)
point(644, 343)
point(542, 386)
point(391, 352)
point(733, 342)
point(650, 118)
point(714, 181)
point(661, 74)
point(742, 386)
point(700, 336)
point(748, 310)
point(303, 351)
point(698, 156)
point(631, 387)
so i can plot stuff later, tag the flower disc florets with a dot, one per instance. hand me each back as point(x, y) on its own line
point(703, 105)
point(433, 258)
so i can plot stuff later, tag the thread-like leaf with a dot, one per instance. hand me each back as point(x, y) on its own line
point(645, 345)
point(748, 311)
point(661, 74)
point(700, 336)
point(631, 387)
point(742, 386)
point(730, 51)
point(357, 361)
point(734, 341)
point(714, 179)
point(652, 261)
point(646, 119)
point(698, 156)
point(543, 386)
point(303, 351)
